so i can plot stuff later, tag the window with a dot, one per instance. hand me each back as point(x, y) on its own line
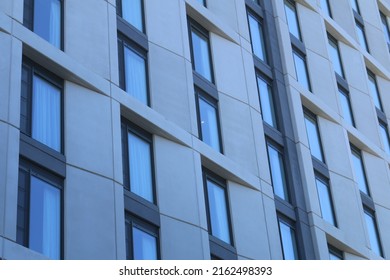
point(326, 8)
point(200, 51)
point(335, 254)
point(138, 161)
point(276, 164)
point(257, 37)
point(374, 91)
point(359, 170)
point(266, 101)
point(385, 136)
point(335, 56)
point(39, 224)
point(141, 239)
point(361, 36)
point(301, 69)
point(133, 69)
point(292, 18)
point(217, 207)
point(44, 17)
point(41, 105)
point(385, 27)
point(132, 12)
point(346, 107)
point(355, 6)
point(313, 136)
point(325, 198)
point(208, 121)
point(203, 2)
point(373, 234)
point(288, 240)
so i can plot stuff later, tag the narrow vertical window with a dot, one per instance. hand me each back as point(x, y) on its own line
point(335, 56)
point(385, 136)
point(355, 6)
point(313, 136)
point(301, 69)
point(359, 170)
point(374, 91)
point(346, 107)
point(276, 164)
point(335, 254)
point(217, 207)
point(325, 199)
point(326, 8)
point(385, 27)
point(288, 240)
point(362, 36)
point(132, 12)
point(373, 233)
point(202, 2)
point(266, 102)
point(257, 37)
point(292, 18)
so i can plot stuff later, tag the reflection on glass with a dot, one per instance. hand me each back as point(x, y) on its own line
point(313, 137)
point(47, 20)
point(209, 123)
point(266, 102)
point(200, 49)
point(277, 172)
point(257, 38)
point(135, 75)
point(144, 245)
point(132, 13)
point(287, 235)
point(325, 201)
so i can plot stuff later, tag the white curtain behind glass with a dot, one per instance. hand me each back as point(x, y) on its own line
point(132, 13)
point(135, 71)
point(55, 23)
point(144, 245)
point(46, 113)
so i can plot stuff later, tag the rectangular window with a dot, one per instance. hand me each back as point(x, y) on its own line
point(44, 17)
point(313, 136)
point(266, 101)
point(200, 51)
point(276, 165)
point(325, 199)
point(326, 8)
point(385, 136)
point(335, 57)
point(374, 91)
point(39, 223)
point(41, 105)
point(292, 18)
point(362, 36)
point(373, 233)
point(133, 69)
point(301, 69)
point(208, 120)
point(355, 6)
point(141, 239)
point(257, 37)
point(288, 239)
point(359, 170)
point(138, 161)
point(385, 27)
point(217, 207)
point(335, 254)
point(132, 12)
point(346, 107)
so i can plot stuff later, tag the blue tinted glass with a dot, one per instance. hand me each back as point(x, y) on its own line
point(325, 7)
point(144, 245)
point(203, 2)
point(140, 167)
point(313, 138)
point(266, 102)
point(132, 13)
point(334, 257)
point(385, 137)
point(135, 75)
point(292, 20)
point(289, 247)
point(373, 234)
point(277, 173)
point(301, 71)
point(218, 212)
point(45, 218)
point(209, 124)
point(361, 36)
point(200, 49)
point(374, 90)
point(385, 28)
point(359, 172)
point(47, 20)
point(325, 201)
point(335, 57)
point(355, 5)
point(346, 107)
point(257, 38)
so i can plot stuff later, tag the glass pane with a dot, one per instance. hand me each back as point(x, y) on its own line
point(218, 212)
point(385, 28)
point(385, 137)
point(325, 7)
point(292, 20)
point(287, 235)
point(47, 20)
point(373, 234)
point(374, 90)
point(46, 113)
point(257, 38)
point(277, 173)
point(313, 138)
point(325, 202)
point(359, 171)
point(144, 245)
point(135, 75)
point(200, 49)
point(301, 71)
point(203, 2)
point(346, 107)
point(140, 167)
point(361, 36)
point(335, 58)
point(209, 124)
point(132, 13)
point(334, 257)
point(266, 102)
point(45, 218)
point(355, 5)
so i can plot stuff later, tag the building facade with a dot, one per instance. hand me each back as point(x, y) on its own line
point(190, 129)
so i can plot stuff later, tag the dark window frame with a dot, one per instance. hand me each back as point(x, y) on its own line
point(326, 181)
point(281, 218)
point(260, 22)
point(371, 212)
point(328, 8)
point(292, 4)
point(302, 55)
point(356, 151)
point(336, 252)
point(335, 43)
point(385, 24)
point(310, 115)
point(371, 75)
point(119, 12)
point(275, 109)
point(346, 93)
point(360, 26)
